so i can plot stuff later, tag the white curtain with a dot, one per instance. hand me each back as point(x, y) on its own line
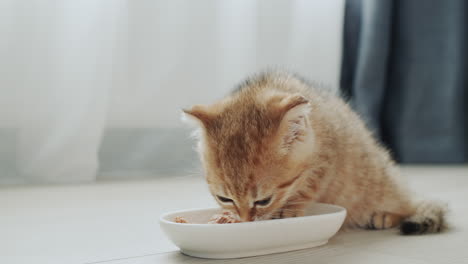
point(93, 88)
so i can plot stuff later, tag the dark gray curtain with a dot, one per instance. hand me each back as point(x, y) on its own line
point(404, 70)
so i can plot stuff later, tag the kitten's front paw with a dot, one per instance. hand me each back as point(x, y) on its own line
point(277, 214)
point(287, 212)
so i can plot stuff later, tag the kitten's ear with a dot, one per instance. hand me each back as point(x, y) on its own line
point(198, 114)
point(293, 111)
point(290, 102)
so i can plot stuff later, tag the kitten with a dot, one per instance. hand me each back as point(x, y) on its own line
point(277, 144)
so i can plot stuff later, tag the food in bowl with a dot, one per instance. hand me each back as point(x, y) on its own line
point(180, 220)
point(225, 217)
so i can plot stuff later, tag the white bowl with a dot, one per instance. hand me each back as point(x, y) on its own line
point(219, 241)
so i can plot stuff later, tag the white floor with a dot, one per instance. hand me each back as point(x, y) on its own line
point(117, 223)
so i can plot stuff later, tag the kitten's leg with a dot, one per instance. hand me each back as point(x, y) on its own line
point(290, 210)
point(384, 220)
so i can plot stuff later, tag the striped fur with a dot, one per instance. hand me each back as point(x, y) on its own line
point(278, 136)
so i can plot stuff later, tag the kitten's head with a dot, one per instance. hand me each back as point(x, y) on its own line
point(254, 147)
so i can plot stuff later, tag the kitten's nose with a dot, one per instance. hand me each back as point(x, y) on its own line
point(246, 216)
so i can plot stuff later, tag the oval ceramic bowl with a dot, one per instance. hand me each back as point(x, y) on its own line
point(220, 241)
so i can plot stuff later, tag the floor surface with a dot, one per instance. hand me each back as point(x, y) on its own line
point(117, 223)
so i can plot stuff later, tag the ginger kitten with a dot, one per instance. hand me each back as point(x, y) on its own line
point(277, 144)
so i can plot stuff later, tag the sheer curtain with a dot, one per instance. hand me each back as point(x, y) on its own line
point(94, 88)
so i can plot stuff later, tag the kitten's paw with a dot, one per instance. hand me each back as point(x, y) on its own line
point(287, 213)
point(383, 221)
point(278, 214)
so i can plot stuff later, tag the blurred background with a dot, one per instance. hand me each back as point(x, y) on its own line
point(92, 90)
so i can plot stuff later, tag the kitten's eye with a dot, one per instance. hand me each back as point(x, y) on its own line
point(263, 202)
point(224, 199)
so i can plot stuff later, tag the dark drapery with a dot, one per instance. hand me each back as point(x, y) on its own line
point(405, 71)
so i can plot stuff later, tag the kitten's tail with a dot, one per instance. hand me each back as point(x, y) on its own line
point(429, 217)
